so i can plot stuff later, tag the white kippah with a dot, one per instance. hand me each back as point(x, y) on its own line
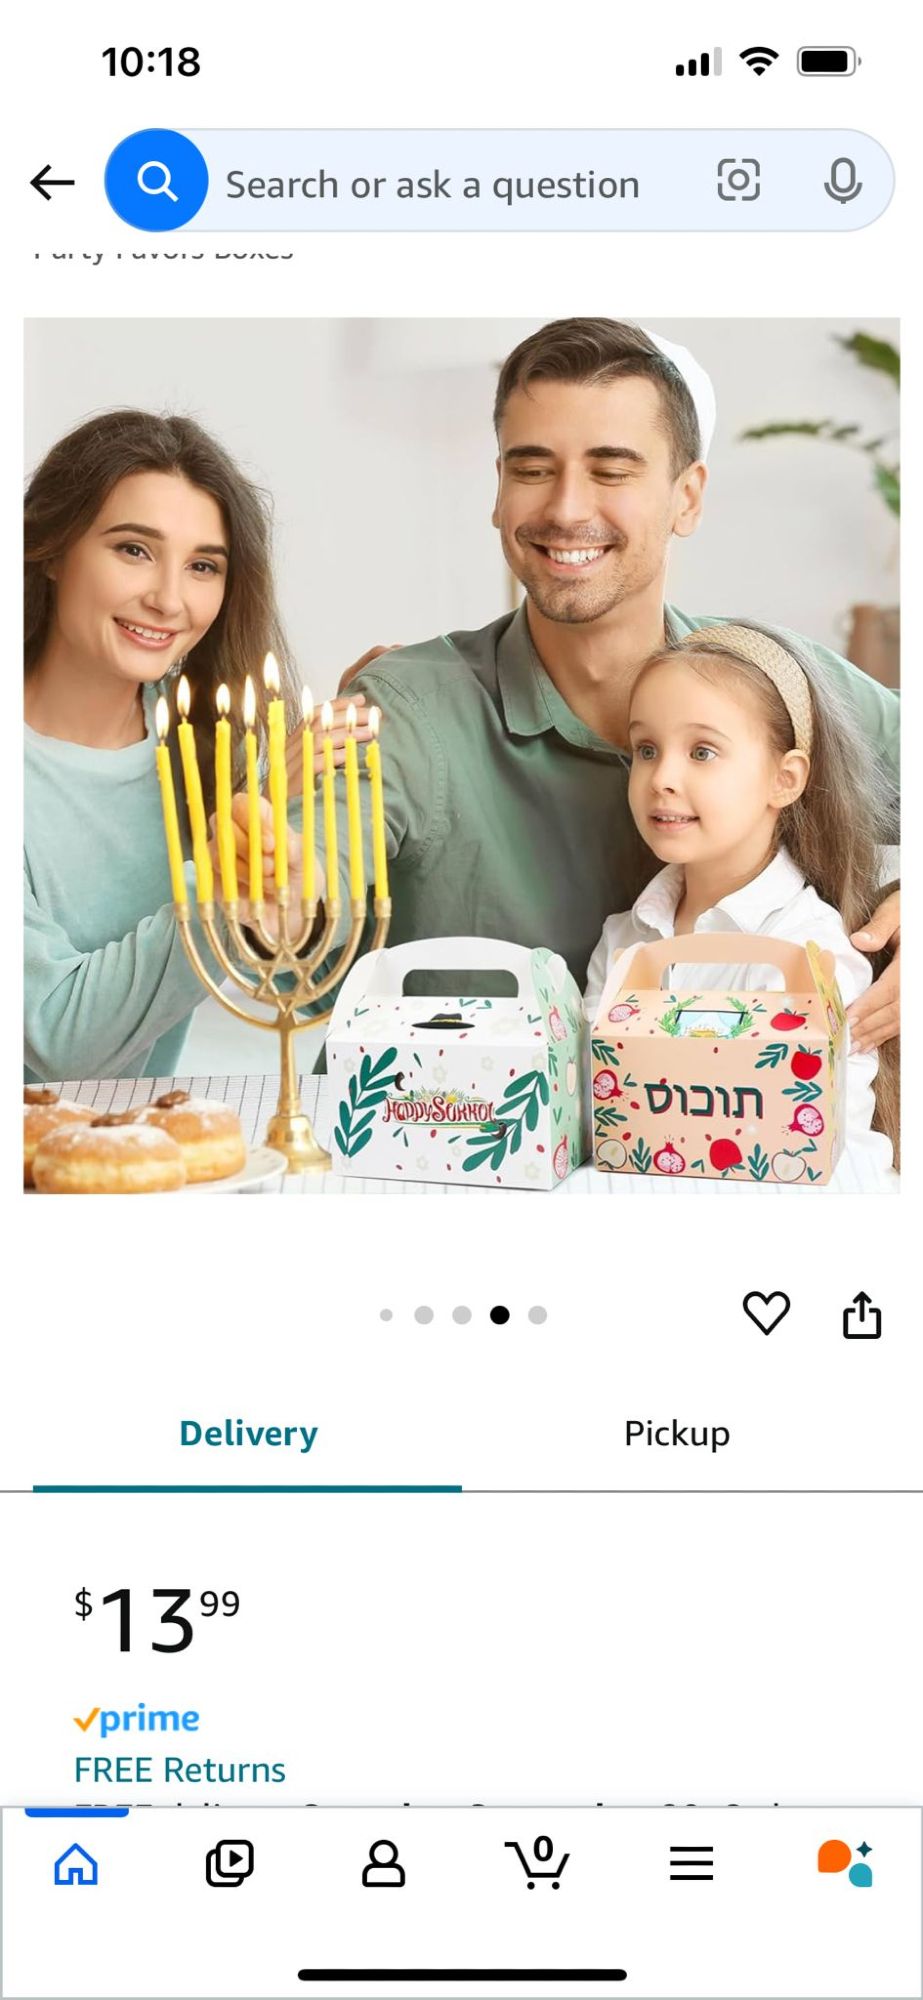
point(699, 384)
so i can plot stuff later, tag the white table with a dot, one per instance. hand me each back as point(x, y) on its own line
point(254, 1099)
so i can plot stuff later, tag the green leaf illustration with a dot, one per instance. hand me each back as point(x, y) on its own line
point(518, 1109)
point(641, 1158)
point(772, 1055)
point(364, 1094)
point(758, 1163)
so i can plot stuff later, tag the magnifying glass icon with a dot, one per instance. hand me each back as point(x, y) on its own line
point(162, 187)
point(156, 162)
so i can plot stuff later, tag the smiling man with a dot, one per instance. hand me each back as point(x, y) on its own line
point(507, 765)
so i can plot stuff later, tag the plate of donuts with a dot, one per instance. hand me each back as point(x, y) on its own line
point(177, 1144)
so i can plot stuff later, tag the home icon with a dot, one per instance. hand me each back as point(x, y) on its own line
point(76, 1869)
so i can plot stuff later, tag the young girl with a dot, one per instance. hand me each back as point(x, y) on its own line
point(750, 781)
point(146, 553)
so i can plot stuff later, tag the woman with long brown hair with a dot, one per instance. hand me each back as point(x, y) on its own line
point(147, 552)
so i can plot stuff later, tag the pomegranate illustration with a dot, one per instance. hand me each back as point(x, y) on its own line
point(560, 1160)
point(668, 1160)
point(556, 1025)
point(570, 1078)
point(804, 1065)
point(807, 1119)
point(623, 1012)
point(787, 1023)
point(611, 1154)
point(788, 1166)
point(724, 1154)
point(606, 1085)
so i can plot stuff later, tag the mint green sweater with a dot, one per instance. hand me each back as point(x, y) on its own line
point(108, 988)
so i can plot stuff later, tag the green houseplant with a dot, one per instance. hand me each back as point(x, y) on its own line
point(874, 639)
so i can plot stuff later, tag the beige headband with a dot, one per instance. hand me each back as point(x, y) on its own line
point(779, 666)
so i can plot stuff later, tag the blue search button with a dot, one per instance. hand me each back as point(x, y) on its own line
point(156, 180)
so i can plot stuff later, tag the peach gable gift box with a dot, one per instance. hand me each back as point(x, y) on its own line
point(714, 1084)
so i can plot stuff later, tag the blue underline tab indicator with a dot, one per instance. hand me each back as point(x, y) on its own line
point(77, 1812)
point(414, 1489)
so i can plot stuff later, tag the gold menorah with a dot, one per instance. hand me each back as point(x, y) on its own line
point(287, 970)
point(289, 1130)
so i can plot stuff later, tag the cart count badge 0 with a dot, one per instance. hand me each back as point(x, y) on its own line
point(745, 1085)
point(459, 1059)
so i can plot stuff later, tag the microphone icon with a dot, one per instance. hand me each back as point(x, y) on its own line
point(843, 185)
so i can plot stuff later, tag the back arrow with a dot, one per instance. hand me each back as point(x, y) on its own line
point(42, 185)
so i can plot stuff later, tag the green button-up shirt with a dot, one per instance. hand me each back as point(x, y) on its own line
point(507, 817)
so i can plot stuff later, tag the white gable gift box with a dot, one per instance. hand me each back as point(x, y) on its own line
point(477, 1078)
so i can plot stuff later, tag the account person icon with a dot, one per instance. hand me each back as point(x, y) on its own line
point(156, 179)
point(383, 1869)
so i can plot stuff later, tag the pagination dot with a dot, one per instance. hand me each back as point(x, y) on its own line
point(461, 1315)
point(537, 1315)
point(499, 1315)
point(386, 1313)
point(423, 1315)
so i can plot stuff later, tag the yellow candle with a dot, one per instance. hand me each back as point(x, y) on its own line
point(227, 852)
point(308, 874)
point(373, 766)
point(204, 877)
point(331, 857)
point(168, 801)
point(278, 780)
point(354, 811)
point(254, 821)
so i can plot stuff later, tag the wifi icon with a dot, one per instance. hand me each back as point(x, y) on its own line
point(759, 60)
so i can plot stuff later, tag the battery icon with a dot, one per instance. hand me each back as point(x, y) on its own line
point(827, 62)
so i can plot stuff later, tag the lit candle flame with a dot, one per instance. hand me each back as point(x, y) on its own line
point(223, 700)
point(162, 719)
point(374, 720)
point(249, 703)
point(307, 705)
point(271, 674)
point(183, 697)
point(326, 716)
point(351, 718)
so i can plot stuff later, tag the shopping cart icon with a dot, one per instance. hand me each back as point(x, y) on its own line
point(542, 1851)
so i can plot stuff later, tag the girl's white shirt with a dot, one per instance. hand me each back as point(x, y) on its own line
point(777, 903)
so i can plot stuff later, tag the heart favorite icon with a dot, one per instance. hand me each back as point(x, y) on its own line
point(767, 1309)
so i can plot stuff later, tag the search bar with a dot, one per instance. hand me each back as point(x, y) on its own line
point(613, 180)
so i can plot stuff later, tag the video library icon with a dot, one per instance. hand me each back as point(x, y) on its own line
point(701, 65)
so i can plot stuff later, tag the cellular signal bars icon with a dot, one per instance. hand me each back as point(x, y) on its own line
point(702, 65)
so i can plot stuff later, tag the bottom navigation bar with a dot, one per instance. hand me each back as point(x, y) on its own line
point(800, 1903)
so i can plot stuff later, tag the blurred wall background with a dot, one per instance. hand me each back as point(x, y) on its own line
point(374, 438)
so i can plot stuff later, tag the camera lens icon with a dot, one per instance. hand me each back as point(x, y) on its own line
point(739, 180)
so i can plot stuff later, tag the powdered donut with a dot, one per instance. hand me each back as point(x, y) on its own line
point(108, 1159)
point(42, 1113)
point(208, 1133)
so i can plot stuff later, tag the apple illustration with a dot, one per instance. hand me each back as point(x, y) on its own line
point(788, 1166)
point(724, 1154)
point(571, 1078)
point(668, 1160)
point(605, 1085)
point(611, 1154)
point(787, 1023)
point(805, 1065)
